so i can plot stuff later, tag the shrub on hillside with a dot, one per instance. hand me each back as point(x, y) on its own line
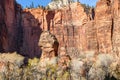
point(87, 67)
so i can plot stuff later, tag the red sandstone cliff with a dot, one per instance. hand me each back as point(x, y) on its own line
point(116, 27)
point(31, 25)
point(103, 23)
point(20, 30)
point(9, 17)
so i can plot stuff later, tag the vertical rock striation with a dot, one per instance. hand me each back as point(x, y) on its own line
point(103, 23)
point(66, 25)
point(72, 26)
point(116, 27)
point(9, 12)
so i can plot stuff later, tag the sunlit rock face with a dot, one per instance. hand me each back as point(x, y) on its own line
point(103, 23)
point(49, 45)
point(116, 28)
point(26, 26)
point(58, 4)
point(66, 24)
point(74, 29)
point(107, 24)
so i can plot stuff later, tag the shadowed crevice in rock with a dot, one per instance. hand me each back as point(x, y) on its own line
point(31, 34)
point(3, 37)
point(112, 29)
point(50, 16)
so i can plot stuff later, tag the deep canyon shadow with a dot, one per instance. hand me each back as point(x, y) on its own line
point(31, 35)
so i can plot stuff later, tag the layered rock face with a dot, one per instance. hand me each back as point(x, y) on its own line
point(103, 23)
point(66, 25)
point(116, 28)
point(73, 27)
point(62, 23)
point(19, 30)
point(107, 24)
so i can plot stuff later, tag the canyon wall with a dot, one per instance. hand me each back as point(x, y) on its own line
point(103, 24)
point(31, 33)
point(9, 25)
point(15, 33)
point(75, 29)
point(116, 27)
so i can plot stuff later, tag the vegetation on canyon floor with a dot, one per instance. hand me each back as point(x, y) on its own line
point(85, 67)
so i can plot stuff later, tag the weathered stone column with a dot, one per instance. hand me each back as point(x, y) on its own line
point(49, 45)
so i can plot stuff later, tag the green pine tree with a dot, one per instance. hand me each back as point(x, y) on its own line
point(32, 5)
